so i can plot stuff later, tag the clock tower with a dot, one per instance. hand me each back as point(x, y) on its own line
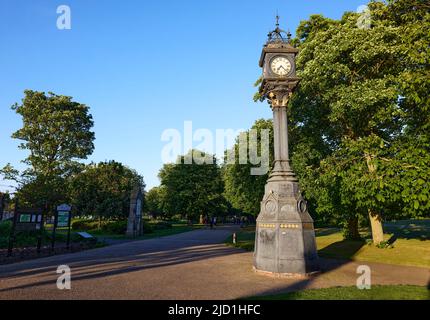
point(285, 237)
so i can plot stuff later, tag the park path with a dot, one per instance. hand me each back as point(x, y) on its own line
point(192, 265)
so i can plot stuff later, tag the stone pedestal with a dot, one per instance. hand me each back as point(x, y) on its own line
point(134, 224)
point(285, 238)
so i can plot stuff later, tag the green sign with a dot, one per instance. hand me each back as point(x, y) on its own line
point(24, 218)
point(63, 218)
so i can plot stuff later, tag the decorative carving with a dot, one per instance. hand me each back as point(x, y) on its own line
point(270, 206)
point(267, 237)
point(302, 206)
point(290, 226)
point(278, 92)
point(267, 225)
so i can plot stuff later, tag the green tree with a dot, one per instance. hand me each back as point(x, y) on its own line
point(57, 133)
point(193, 186)
point(103, 190)
point(362, 107)
point(243, 190)
point(154, 202)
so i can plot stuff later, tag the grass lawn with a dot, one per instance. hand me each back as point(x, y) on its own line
point(352, 293)
point(410, 244)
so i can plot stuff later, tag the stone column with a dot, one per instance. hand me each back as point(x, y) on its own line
point(280, 130)
point(134, 223)
point(285, 238)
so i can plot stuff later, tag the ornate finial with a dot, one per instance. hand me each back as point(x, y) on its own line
point(277, 35)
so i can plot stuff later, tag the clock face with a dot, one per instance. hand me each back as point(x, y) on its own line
point(280, 66)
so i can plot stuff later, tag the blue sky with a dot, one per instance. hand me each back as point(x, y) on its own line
point(142, 66)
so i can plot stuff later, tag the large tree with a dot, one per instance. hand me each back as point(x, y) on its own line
point(57, 133)
point(243, 190)
point(154, 202)
point(103, 190)
point(193, 187)
point(362, 106)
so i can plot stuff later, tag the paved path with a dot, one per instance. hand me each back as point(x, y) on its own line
point(192, 265)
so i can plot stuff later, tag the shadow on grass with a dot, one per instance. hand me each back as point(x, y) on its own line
point(408, 229)
point(319, 232)
point(345, 249)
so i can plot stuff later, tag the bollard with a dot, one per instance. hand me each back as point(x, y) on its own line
point(234, 238)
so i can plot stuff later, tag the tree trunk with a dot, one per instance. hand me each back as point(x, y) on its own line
point(375, 218)
point(352, 232)
point(376, 225)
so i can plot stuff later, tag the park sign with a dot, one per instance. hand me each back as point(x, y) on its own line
point(64, 207)
point(63, 218)
point(28, 220)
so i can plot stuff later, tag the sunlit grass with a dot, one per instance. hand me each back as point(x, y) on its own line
point(410, 246)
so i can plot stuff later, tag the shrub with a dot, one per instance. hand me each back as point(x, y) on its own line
point(115, 227)
point(85, 225)
point(151, 226)
point(5, 228)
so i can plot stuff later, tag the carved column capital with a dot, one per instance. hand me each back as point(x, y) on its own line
point(278, 92)
point(279, 99)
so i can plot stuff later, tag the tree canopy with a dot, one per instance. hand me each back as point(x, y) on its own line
point(243, 190)
point(57, 133)
point(362, 109)
point(193, 188)
point(155, 202)
point(103, 190)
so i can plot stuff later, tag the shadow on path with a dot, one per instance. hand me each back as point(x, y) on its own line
point(120, 259)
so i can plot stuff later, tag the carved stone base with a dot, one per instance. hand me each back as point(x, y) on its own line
point(285, 236)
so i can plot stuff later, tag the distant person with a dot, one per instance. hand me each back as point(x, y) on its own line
point(212, 223)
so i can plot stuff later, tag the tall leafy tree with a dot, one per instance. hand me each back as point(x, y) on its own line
point(243, 190)
point(103, 190)
point(359, 106)
point(57, 133)
point(154, 202)
point(193, 187)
